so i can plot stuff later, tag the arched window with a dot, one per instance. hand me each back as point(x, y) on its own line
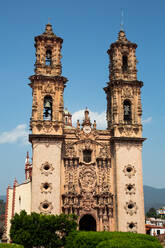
point(48, 57)
point(47, 108)
point(127, 110)
point(124, 63)
point(87, 156)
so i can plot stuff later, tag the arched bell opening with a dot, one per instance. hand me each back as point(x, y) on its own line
point(48, 61)
point(47, 115)
point(127, 111)
point(87, 223)
point(124, 63)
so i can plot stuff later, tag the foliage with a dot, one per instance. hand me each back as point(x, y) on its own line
point(126, 243)
point(82, 239)
point(152, 213)
point(41, 230)
point(2, 207)
point(10, 246)
point(2, 217)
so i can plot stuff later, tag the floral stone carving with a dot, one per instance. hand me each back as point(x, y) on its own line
point(131, 207)
point(46, 207)
point(129, 170)
point(46, 168)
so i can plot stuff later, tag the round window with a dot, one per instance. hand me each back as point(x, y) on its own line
point(46, 186)
point(131, 225)
point(130, 187)
point(46, 167)
point(129, 169)
point(130, 206)
point(45, 205)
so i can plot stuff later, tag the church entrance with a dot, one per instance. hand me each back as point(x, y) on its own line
point(87, 223)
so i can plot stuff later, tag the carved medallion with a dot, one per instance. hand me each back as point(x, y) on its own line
point(87, 179)
point(46, 168)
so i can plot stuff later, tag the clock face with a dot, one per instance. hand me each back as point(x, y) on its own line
point(87, 129)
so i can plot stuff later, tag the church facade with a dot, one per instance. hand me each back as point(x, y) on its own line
point(96, 174)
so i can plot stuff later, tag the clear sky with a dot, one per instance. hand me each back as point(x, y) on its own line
point(88, 28)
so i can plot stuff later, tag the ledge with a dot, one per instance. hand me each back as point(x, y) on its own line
point(126, 139)
point(45, 137)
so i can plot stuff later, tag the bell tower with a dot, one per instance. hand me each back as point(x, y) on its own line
point(124, 108)
point(47, 122)
point(124, 112)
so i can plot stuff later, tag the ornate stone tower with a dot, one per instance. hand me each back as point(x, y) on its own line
point(47, 122)
point(124, 112)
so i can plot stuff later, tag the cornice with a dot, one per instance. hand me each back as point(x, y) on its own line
point(121, 44)
point(43, 137)
point(48, 37)
point(43, 78)
point(122, 83)
point(127, 139)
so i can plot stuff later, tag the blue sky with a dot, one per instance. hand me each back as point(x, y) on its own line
point(88, 28)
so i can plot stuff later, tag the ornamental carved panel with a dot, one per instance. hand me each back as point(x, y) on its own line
point(87, 178)
point(131, 207)
point(46, 168)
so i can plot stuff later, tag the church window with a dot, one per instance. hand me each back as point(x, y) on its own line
point(45, 205)
point(124, 63)
point(130, 189)
point(66, 120)
point(130, 206)
point(127, 111)
point(46, 186)
point(46, 167)
point(48, 57)
point(131, 225)
point(47, 108)
point(87, 156)
point(129, 169)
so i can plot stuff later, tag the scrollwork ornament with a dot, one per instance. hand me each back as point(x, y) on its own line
point(130, 189)
point(129, 170)
point(46, 187)
point(45, 207)
point(46, 168)
point(132, 227)
point(131, 208)
point(87, 179)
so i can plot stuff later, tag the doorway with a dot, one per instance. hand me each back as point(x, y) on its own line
point(87, 223)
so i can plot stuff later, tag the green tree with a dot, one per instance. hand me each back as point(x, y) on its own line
point(38, 230)
point(152, 213)
point(2, 217)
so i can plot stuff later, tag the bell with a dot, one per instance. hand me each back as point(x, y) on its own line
point(48, 54)
point(48, 105)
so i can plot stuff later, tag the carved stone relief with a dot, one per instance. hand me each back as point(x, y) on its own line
point(130, 189)
point(87, 178)
point(46, 168)
point(129, 170)
point(131, 207)
point(132, 227)
point(46, 187)
point(45, 207)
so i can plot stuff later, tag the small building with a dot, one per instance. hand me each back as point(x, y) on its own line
point(161, 211)
point(154, 230)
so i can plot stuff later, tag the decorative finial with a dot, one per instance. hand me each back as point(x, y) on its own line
point(48, 29)
point(27, 158)
point(122, 20)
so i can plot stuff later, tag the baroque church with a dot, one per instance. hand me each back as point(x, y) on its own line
point(96, 174)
